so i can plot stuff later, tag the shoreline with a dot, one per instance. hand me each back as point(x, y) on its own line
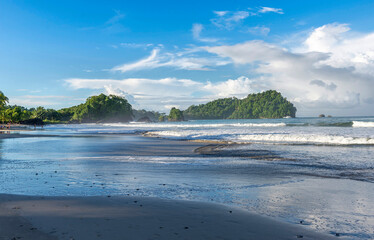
point(139, 145)
point(118, 217)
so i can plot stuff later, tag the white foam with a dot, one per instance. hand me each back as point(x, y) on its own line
point(192, 125)
point(308, 139)
point(362, 124)
point(270, 138)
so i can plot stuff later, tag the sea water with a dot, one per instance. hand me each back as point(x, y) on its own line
point(314, 171)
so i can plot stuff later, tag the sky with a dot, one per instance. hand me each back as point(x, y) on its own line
point(163, 54)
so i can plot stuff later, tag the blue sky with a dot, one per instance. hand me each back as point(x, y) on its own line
point(159, 54)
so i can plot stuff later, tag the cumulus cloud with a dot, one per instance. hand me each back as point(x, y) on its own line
point(346, 49)
point(239, 87)
point(334, 70)
point(158, 94)
point(196, 33)
point(181, 60)
point(110, 90)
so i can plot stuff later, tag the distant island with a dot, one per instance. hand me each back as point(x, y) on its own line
point(110, 108)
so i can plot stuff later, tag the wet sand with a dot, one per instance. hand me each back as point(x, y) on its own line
point(130, 217)
point(115, 217)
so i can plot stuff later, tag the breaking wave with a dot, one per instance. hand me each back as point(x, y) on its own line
point(295, 139)
point(308, 139)
point(362, 124)
point(192, 125)
point(215, 125)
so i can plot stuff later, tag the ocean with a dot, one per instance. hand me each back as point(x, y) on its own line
point(333, 147)
point(318, 172)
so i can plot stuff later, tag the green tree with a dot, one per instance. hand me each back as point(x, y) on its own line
point(268, 104)
point(152, 115)
point(175, 115)
point(39, 112)
point(3, 100)
point(101, 108)
point(161, 118)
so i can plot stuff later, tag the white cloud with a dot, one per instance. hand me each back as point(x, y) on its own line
point(334, 71)
point(239, 87)
point(229, 19)
point(181, 60)
point(269, 9)
point(221, 13)
point(110, 90)
point(322, 39)
point(171, 106)
point(139, 88)
point(331, 68)
point(196, 33)
point(35, 100)
point(136, 45)
point(149, 62)
point(346, 49)
point(29, 90)
point(157, 94)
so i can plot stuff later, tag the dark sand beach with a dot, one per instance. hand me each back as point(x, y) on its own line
point(116, 217)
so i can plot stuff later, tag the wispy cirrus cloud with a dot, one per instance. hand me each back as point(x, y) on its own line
point(271, 10)
point(136, 45)
point(118, 16)
point(196, 30)
point(37, 100)
point(229, 19)
point(179, 60)
point(112, 26)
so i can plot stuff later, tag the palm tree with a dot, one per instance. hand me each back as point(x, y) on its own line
point(3, 100)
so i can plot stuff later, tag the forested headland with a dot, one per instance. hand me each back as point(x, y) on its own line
point(110, 108)
point(96, 109)
point(268, 104)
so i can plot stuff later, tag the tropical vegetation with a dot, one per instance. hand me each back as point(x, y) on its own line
point(175, 115)
point(101, 108)
point(268, 104)
point(111, 108)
